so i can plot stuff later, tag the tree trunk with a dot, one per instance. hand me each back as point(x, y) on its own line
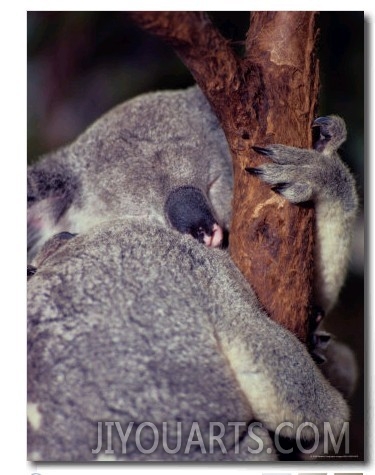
point(268, 96)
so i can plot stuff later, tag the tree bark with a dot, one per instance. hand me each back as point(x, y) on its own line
point(268, 96)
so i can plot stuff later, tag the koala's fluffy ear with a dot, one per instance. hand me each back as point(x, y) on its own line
point(51, 188)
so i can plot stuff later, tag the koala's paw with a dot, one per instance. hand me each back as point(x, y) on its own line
point(292, 173)
point(332, 133)
point(340, 367)
point(319, 175)
point(318, 343)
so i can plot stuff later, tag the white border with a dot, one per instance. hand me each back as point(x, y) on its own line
point(13, 232)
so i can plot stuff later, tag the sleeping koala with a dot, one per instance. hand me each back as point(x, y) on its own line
point(139, 322)
point(175, 170)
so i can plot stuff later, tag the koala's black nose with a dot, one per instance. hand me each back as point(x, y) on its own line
point(189, 212)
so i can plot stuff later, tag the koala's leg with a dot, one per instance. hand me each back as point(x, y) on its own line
point(283, 385)
point(320, 176)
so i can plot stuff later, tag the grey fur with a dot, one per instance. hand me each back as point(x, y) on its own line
point(133, 321)
point(320, 176)
point(126, 170)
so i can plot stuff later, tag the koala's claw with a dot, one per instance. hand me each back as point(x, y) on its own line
point(289, 180)
point(321, 339)
point(280, 188)
point(322, 121)
point(262, 150)
point(318, 357)
point(265, 171)
point(316, 315)
point(318, 343)
point(332, 133)
point(324, 124)
point(318, 340)
point(283, 154)
point(254, 171)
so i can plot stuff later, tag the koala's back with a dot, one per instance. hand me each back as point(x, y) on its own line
point(111, 340)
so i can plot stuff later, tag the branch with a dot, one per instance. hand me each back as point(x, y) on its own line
point(269, 96)
point(205, 52)
point(272, 241)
